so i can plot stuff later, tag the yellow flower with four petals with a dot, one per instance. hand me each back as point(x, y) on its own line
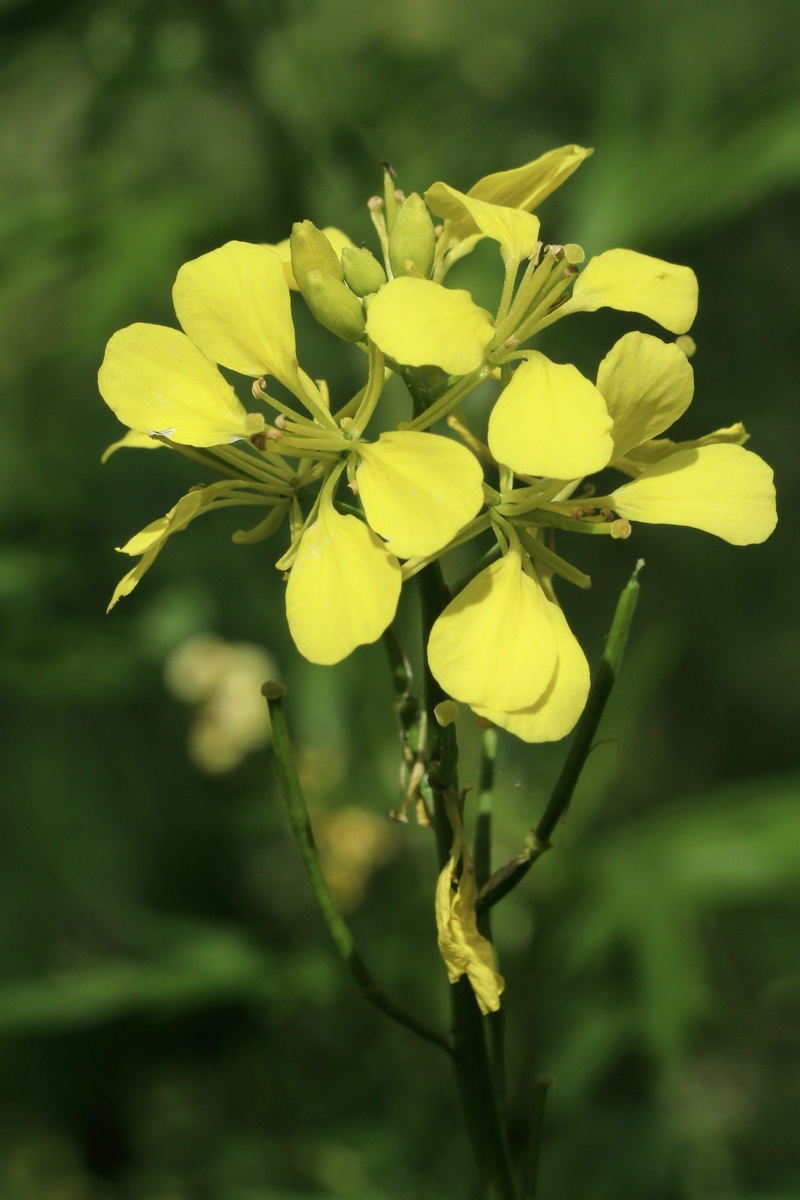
point(502, 645)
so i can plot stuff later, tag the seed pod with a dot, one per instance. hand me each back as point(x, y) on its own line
point(412, 239)
point(334, 305)
point(362, 271)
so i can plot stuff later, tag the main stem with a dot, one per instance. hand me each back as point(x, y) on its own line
point(470, 1054)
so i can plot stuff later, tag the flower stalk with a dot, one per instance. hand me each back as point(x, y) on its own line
point(335, 923)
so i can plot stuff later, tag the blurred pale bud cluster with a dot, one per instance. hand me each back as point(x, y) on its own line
point(222, 680)
point(353, 843)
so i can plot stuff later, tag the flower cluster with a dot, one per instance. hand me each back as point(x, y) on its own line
point(364, 514)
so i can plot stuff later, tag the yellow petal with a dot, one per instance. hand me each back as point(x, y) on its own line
point(156, 380)
point(637, 283)
point(494, 644)
point(552, 717)
point(234, 304)
point(343, 588)
point(516, 231)
point(419, 323)
point(722, 489)
point(134, 441)
point(152, 538)
point(465, 951)
point(550, 421)
point(646, 384)
point(129, 581)
point(176, 519)
point(418, 490)
point(653, 451)
point(336, 238)
point(527, 186)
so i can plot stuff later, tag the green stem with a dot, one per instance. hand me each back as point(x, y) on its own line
point(482, 858)
point(301, 828)
point(485, 1129)
point(507, 878)
point(410, 720)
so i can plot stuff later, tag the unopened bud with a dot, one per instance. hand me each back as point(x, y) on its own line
point(446, 712)
point(412, 239)
point(362, 271)
point(311, 251)
point(334, 305)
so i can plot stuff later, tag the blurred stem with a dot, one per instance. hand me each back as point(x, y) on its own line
point(507, 878)
point(303, 835)
point(484, 1127)
point(483, 829)
point(530, 1177)
point(402, 678)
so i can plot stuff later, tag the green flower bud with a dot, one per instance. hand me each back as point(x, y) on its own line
point(311, 251)
point(412, 239)
point(362, 271)
point(334, 305)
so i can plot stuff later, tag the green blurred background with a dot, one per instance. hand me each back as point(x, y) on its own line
point(172, 1023)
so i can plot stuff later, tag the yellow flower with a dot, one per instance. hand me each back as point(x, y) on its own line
point(517, 231)
point(233, 304)
point(636, 283)
point(343, 588)
point(554, 714)
point(505, 649)
point(722, 489)
point(550, 421)
point(157, 381)
point(418, 322)
point(522, 189)
point(716, 486)
point(418, 490)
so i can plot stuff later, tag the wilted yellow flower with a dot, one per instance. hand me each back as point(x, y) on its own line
point(465, 951)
